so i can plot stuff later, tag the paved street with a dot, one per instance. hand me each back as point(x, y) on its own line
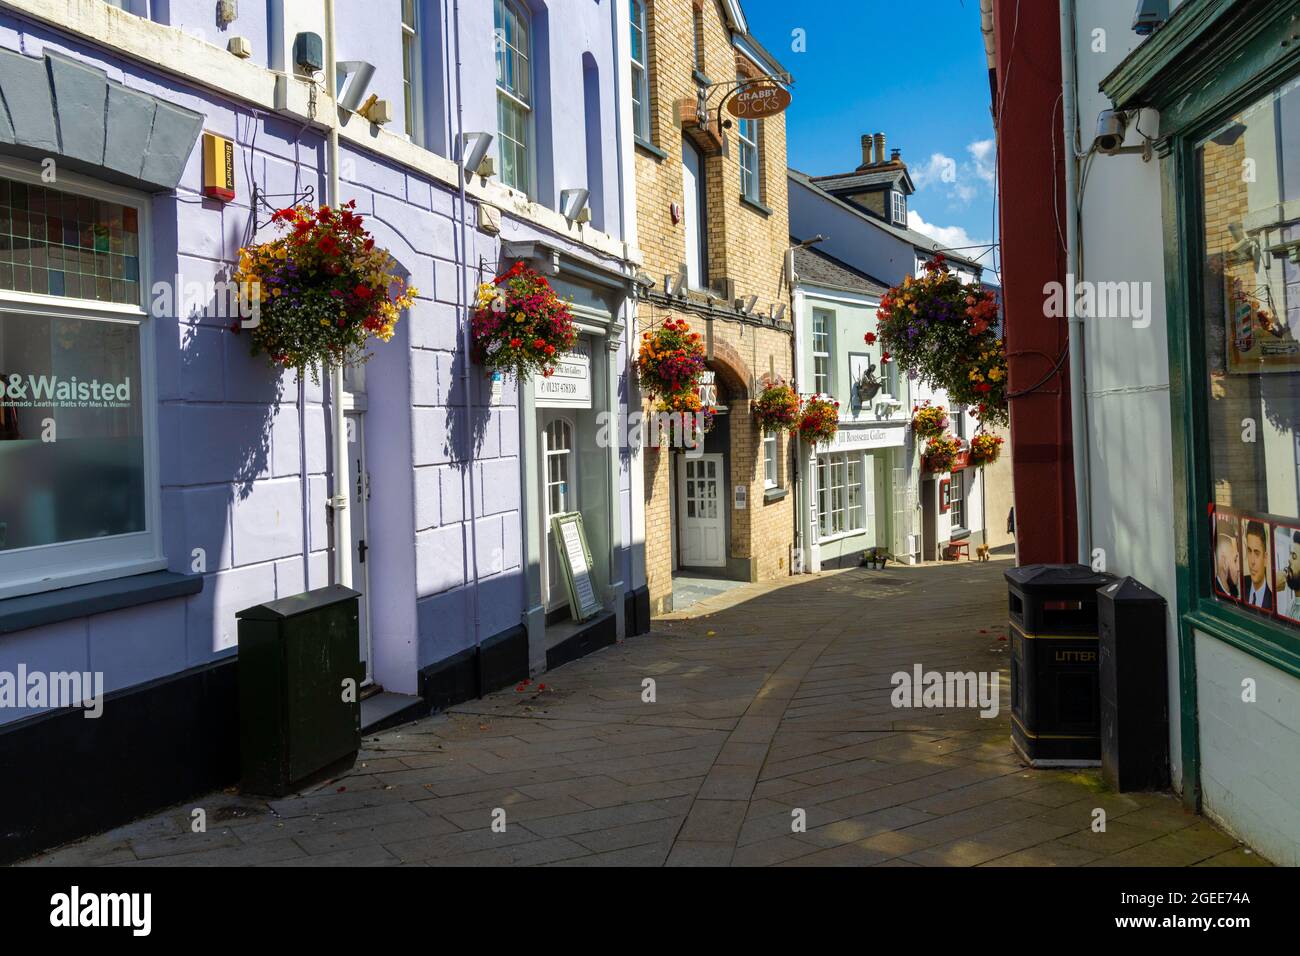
point(769, 699)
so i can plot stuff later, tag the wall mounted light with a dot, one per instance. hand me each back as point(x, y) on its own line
point(675, 285)
point(1150, 17)
point(746, 304)
point(353, 78)
point(776, 312)
point(308, 53)
point(573, 204)
point(473, 151)
point(376, 110)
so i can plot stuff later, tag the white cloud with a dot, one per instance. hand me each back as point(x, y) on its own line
point(950, 237)
point(962, 182)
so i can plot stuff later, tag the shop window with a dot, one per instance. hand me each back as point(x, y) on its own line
point(841, 505)
point(559, 467)
point(640, 73)
point(821, 351)
point(514, 93)
point(77, 474)
point(1249, 188)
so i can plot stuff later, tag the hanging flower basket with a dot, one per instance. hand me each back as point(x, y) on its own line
point(941, 453)
point(929, 421)
point(520, 326)
point(776, 408)
point(320, 291)
point(819, 419)
point(985, 449)
point(689, 404)
point(671, 360)
point(945, 332)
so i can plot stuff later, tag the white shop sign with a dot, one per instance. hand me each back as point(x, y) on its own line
point(570, 386)
point(848, 438)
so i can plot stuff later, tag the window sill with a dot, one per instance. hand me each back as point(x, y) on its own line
point(1277, 645)
point(648, 147)
point(831, 539)
point(83, 600)
point(755, 205)
point(774, 494)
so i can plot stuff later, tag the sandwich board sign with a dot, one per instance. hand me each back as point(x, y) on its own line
point(575, 563)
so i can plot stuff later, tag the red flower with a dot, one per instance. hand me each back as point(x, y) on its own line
point(515, 343)
point(363, 291)
point(983, 387)
point(870, 338)
point(884, 356)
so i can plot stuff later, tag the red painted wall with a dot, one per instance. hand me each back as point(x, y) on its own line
point(1032, 226)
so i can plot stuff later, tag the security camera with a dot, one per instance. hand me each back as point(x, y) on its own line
point(1111, 125)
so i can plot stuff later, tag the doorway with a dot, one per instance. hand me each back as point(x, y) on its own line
point(359, 505)
point(701, 513)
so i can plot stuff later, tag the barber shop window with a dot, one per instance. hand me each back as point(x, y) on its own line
point(1248, 173)
point(77, 479)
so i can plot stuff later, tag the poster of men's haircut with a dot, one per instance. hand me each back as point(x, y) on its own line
point(1286, 571)
point(1226, 556)
point(1257, 564)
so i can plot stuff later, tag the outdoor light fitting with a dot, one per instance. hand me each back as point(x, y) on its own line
point(475, 160)
point(573, 203)
point(352, 78)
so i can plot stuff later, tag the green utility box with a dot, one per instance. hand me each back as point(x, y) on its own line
point(300, 680)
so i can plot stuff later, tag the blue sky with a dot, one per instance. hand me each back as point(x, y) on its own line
point(914, 71)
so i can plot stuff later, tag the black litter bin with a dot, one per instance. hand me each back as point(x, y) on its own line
point(300, 676)
point(1055, 699)
point(1134, 687)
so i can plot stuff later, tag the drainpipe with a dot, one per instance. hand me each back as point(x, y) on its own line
point(462, 309)
point(1078, 393)
point(342, 516)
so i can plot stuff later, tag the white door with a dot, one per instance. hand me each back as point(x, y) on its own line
point(693, 213)
point(358, 505)
point(701, 510)
point(559, 496)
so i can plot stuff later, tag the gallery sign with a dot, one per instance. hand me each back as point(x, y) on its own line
point(570, 385)
point(849, 438)
point(759, 100)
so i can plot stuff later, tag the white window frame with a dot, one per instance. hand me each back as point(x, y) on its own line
point(957, 501)
point(898, 207)
point(771, 474)
point(510, 99)
point(823, 368)
point(69, 563)
point(412, 72)
point(841, 499)
point(640, 71)
point(747, 133)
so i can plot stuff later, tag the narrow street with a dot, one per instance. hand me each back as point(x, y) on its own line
point(768, 700)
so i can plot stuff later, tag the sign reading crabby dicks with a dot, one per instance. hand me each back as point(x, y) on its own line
point(575, 563)
point(758, 100)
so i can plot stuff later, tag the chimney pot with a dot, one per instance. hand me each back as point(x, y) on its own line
point(880, 148)
point(866, 149)
point(896, 156)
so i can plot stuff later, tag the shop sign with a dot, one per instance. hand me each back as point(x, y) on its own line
point(575, 563)
point(848, 438)
point(570, 386)
point(759, 100)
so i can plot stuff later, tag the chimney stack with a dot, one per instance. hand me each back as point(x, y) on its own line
point(896, 156)
point(866, 149)
point(880, 148)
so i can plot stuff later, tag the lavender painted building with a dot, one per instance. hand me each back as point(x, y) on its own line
point(195, 481)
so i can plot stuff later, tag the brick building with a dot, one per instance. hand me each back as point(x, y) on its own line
point(712, 224)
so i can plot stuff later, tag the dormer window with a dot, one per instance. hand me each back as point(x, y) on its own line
point(899, 207)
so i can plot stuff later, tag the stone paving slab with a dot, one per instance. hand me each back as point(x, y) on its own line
point(773, 742)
